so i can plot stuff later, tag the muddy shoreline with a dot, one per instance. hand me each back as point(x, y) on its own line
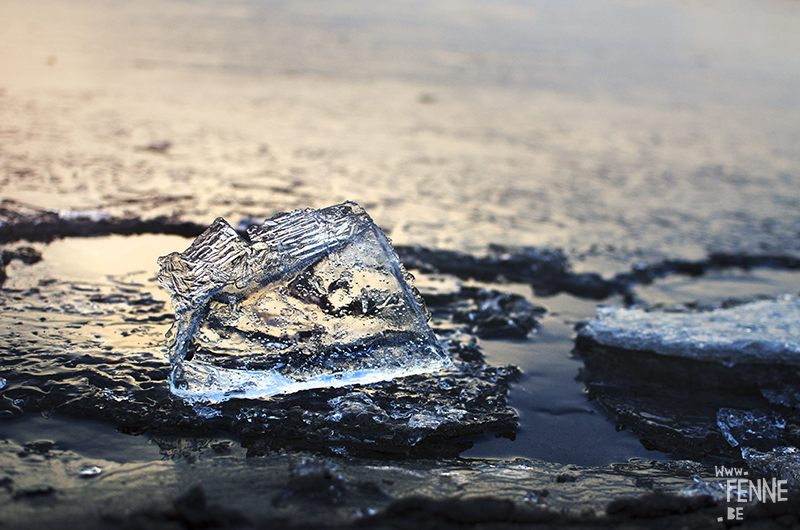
point(306, 491)
point(530, 161)
point(548, 270)
point(296, 465)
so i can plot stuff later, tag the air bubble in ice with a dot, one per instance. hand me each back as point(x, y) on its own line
point(312, 298)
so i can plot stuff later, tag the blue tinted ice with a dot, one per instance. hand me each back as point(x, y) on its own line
point(764, 331)
point(749, 427)
point(782, 463)
point(314, 298)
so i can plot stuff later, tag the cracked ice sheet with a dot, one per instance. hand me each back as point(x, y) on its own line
point(759, 332)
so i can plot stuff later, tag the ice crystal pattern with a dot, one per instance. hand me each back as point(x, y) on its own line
point(312, 298)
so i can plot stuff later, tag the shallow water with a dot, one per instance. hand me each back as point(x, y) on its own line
point(92, 439)
point(557, 422)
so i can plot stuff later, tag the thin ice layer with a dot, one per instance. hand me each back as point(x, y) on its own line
point(764, 331)
point(315, 298)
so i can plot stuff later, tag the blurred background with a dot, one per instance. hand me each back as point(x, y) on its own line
point(621, 130)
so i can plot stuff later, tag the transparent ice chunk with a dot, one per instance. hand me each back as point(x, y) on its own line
point(767, 331)
point(315, 298)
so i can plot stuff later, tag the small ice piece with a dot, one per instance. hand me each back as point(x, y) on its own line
point(531, 497)
point(314, 298)
point(759, 332)
point(785, 396)
point(89, 472)
point(2, 383)
point(205, 411)
point(750, 428)
point(782, 463)
point(92, 215)
point(717, 489)
point(432, 419)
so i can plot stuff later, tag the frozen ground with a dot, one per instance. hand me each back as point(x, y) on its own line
point(646, 149)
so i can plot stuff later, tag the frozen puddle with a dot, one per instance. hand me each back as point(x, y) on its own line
point(315, 298)
point(759, 332)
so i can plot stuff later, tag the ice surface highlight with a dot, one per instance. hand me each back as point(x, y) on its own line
point(315, 298)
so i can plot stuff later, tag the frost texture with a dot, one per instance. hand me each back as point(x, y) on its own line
point(315, 298)
point(765, 331)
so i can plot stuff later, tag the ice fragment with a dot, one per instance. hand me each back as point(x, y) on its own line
point(314, 298)
point(205, 411)
point(751, 428)
point(786, 396)
point(89, 472)
point(2, 383)
point(717, 489)
point(764, 331)
point(782, 463)
point(432, 419)
point(531, 497)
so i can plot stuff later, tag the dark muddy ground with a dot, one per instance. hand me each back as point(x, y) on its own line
point(530, 161)
point(568, 428)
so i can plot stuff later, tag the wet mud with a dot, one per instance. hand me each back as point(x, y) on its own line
point(547, 270)
point(95, 351)
point(675, 405)
point(54, 486)
point(24, 222)
point(529, 160)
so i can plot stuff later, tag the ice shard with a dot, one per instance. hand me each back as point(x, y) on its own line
point(312, 298)
point(766, 331)
point(783, 463)
point(751, 428)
